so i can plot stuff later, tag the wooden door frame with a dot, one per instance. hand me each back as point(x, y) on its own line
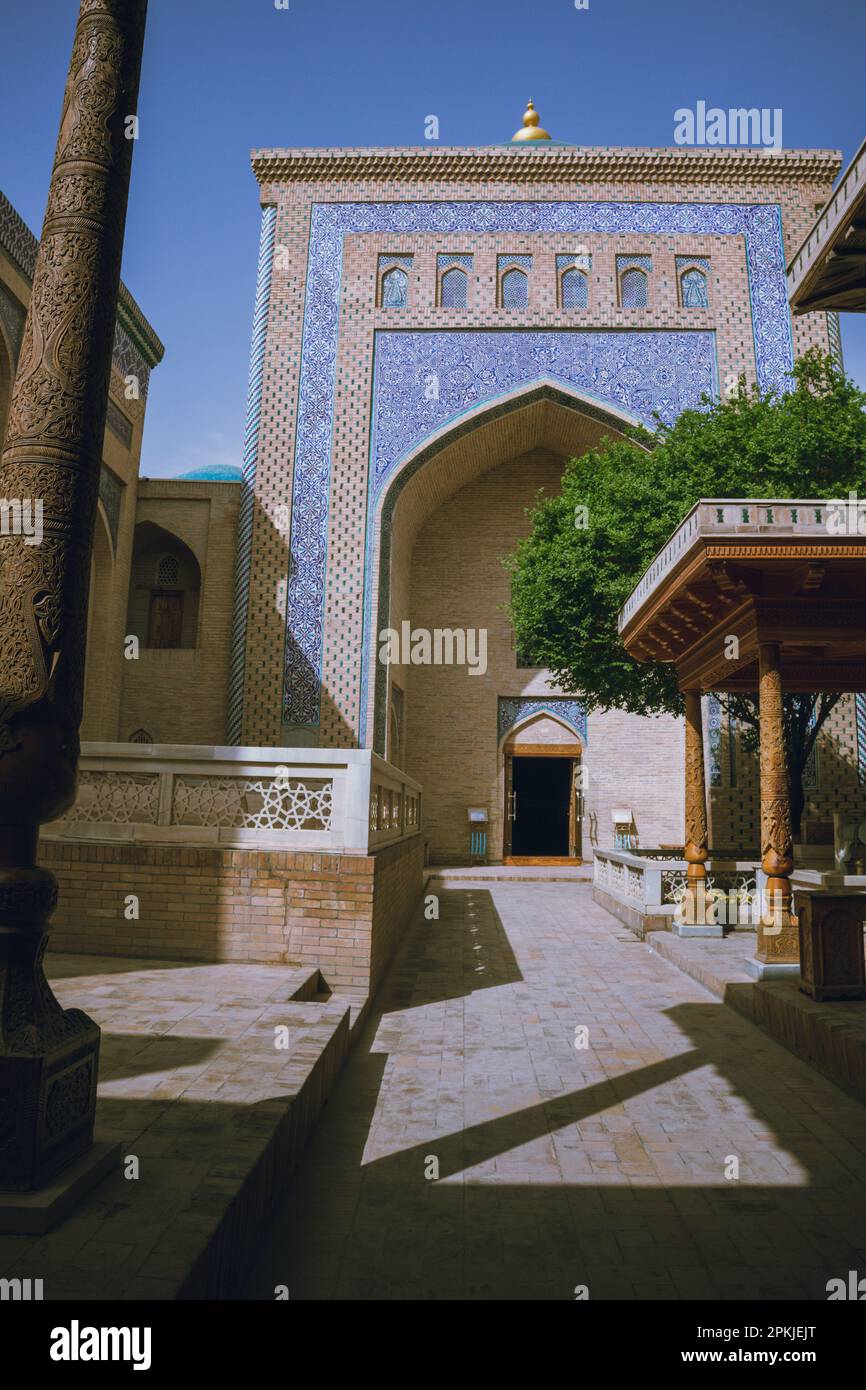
point(542, 750)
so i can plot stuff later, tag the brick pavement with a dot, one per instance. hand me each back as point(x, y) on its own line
point(561, 1167)
point(193, 1086)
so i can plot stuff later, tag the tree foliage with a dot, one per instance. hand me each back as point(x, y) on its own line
point(619, 504)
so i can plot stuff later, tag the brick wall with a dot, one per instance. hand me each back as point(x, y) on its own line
point(452, 747)
point(832, 784)
point(180, 695)
point(342, 913)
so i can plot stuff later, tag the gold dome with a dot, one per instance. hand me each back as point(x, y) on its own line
point(531, 130)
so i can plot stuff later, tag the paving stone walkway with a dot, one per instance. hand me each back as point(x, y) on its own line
point(192, 1085)
point(559, 1166)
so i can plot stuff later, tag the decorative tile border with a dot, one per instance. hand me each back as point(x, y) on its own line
point(243, 560)
point(118, 424)
point(760, 225)
point(513, 710)
point(111, 491)
point(13, 315)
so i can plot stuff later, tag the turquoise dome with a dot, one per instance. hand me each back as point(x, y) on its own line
point(216, 473)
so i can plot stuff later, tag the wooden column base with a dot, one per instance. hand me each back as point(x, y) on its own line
point(783, 948)
point(778, 935)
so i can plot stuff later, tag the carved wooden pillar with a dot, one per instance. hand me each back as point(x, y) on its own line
point(696, 792)
point(696, 851)
point(48, 1056)
point(777, 937)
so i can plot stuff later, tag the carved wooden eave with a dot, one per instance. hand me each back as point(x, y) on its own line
point(828, 271)
point(544, 163)
point(723, 585)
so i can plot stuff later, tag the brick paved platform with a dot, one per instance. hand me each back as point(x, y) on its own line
point(561, 1167)
point(832, 1037)
point(192, 1085)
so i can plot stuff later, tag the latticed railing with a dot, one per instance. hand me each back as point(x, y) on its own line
point(654, 881)
point(725, 881)
point(291, 803)
point(312, 798)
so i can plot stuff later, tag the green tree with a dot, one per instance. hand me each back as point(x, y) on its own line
point(620, 503)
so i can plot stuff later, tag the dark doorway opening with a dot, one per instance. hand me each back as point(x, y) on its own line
point(541, 795)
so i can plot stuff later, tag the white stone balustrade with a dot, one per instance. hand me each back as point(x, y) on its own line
point(341, 800)
point(652, 884)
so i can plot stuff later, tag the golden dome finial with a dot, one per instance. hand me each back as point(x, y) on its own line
point(530, 129)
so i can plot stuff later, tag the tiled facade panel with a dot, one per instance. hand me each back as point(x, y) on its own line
point(728, 316)
point(266, 622)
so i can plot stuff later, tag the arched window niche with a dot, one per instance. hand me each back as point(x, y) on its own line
point(394, 288)
point(514, 289)
point(634, 288)
point(693, 289)
point(573, 289)
point(164, 590)
point(453, 288)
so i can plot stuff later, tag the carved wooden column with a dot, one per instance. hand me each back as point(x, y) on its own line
point(694, 905)
point(696, 791)
point(777, 937)
point(48, 1056)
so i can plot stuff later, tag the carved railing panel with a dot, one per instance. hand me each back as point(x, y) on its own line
point(243, 803)
point(114, 798)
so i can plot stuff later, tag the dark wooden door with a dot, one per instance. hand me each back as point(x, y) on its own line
point(165, 627)
point(540, 797)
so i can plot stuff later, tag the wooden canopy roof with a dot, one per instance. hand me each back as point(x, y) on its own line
point(829, 270)
point(787, 572)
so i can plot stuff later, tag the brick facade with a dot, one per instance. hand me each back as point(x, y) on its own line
point(418, 534)
point(342, 913)
point(426, 548)
point(179, 695)
point(436, 553)
point(796, 185)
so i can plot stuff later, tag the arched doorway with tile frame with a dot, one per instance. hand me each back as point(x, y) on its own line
point(542, 773)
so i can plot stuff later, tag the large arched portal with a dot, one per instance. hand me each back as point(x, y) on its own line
point(440, 644)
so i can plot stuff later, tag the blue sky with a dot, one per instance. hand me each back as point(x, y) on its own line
point(223, 76)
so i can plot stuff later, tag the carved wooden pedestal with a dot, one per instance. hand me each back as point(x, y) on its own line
point(49, 1057)
point(831, 944)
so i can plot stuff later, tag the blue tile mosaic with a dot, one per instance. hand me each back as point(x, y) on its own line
point(640, 373)
point(760, 225)
point(514, 709)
